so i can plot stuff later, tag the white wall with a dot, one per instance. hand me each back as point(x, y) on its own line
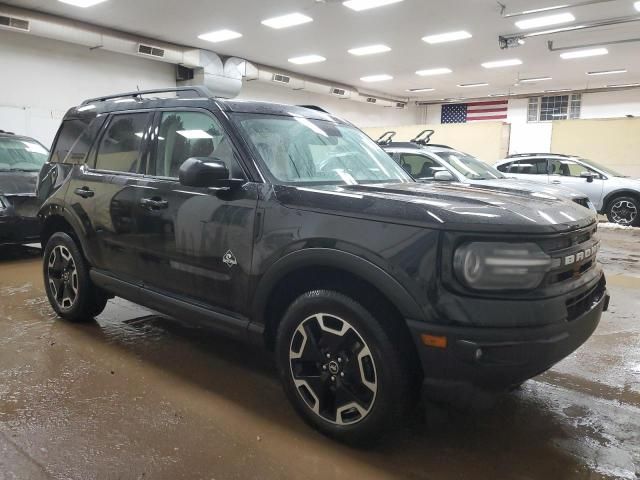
point(41, 79)
point(611, 104)
point(361, 114)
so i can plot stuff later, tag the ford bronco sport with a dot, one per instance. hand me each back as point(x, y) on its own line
point(288, 227)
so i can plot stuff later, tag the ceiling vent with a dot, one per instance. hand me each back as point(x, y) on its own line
point(339, 92)
point(150, 51)
point(371, 100)
point(400, 105)
point(281, 78)
point(14, 23)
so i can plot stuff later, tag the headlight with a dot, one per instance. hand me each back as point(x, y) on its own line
point(501, 266)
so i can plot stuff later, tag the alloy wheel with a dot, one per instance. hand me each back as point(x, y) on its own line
point(624, 212)
point(333, 369)
point(62, 276)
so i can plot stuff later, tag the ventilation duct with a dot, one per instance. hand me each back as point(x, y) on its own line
point(14, 23)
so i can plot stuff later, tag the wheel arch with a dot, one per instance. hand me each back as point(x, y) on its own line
point(622, 192)
point(55, 220)
point(321, 268)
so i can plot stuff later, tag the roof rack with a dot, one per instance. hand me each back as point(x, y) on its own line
point(423, 137)
point(6, 133)
point(200, 91)
point(386, 138)
point(315, 107)
point(521, 155)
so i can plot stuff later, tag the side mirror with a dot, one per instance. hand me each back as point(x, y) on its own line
point(443, 176)
point(588, 175)
point(202, 172)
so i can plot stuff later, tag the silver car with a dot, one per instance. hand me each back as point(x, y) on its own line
point(612, 193)
point(431, 162)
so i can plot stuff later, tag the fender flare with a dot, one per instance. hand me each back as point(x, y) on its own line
point(326, 257)
point(51, 210)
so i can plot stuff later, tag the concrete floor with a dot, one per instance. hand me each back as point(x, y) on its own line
point(136, 396)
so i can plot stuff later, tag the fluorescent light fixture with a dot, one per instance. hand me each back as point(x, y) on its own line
point(473, 85)
point(637, 5)
point(591, 52)
point(447, 37)
point(545, 21)
point(421, 90)
point(559, 90)
point(512, 62)
point(306, 59)
point(624, 85)
point(83, 3)
point(433, 71)
point(359, 5)
point(535, 79)
point(376, 78)
point(607, 72)
point(369, 50)
point(499, 95)
point(544, 9)
point(219, 36)
point(285, 21)
point(193, 134)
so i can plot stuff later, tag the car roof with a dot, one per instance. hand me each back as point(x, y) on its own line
point(193, 97)
point(529, 156)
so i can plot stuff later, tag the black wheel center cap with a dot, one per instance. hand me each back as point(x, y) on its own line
point(333, 367)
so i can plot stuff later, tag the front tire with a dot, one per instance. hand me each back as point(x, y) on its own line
point(343, 369)
point(624, 211)
point(66, 280)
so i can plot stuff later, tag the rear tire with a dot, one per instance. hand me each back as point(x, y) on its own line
point(343, 369)
point(624, 211)
point(69, 288)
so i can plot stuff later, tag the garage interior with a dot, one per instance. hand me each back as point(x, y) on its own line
point(137, 395)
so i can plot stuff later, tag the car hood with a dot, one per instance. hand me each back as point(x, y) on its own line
point(528, 186)
point(450, 206)
point(18, 183)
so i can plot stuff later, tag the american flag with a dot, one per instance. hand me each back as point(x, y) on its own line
point(471, 112)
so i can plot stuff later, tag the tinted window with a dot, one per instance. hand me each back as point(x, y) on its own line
point(184, 135)
point(119, 149)
point(568, 168)
point(73, 142)
point(420, 166)
point(21, 154)
point(532, 166)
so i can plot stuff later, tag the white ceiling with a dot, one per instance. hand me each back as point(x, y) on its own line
point(401, 26)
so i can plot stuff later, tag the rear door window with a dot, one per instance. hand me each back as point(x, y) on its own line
point(532, 166)
point(121, 145)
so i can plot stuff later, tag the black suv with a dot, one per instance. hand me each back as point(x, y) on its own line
point(290, 228)
point(21, 158)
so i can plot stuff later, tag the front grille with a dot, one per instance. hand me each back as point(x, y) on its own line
point(584, 202)
point(580, 304)
point(573, 254)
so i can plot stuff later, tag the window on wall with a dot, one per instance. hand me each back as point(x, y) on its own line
point(556, 107)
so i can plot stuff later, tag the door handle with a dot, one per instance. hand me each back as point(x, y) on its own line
point(84, 192)
point(154, 204)
point(556, 182)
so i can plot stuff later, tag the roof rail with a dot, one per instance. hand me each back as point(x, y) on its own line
point(386, 137)
point(423, 137)
point(520, 155)
point(200, 91)
point(314, 107)
point(6, 133)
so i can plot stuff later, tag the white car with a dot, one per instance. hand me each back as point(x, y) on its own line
point(612, 193)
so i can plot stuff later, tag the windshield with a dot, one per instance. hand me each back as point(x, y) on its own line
point(298, 150)
point(602, 168)
point(469, 166)
point(21, 155)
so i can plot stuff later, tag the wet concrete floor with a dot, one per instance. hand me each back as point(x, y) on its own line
point(134, 395)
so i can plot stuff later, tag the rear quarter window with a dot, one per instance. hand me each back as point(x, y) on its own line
point(74, 140)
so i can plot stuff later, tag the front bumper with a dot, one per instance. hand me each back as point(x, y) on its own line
point(493, 359)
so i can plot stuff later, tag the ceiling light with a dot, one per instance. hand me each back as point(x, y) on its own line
point(534, 80)
point(545, 21)
point(376, 78)
point(83, 3)
point(499, 95)
point(592, 52)
point(359, 5)
point(544, 9)
point(503, 63)
point(607, 72)
point(285, 21)
point(421, 90)
point(305, 59)
point(447, 37)
point(473, 85)
point(433, 71)
point(637, 5)
point(219, 36)
point(558, 90)
point(623, 85)
point(369, 50)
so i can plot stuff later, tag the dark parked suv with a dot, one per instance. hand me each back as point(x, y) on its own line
point(290, 228)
